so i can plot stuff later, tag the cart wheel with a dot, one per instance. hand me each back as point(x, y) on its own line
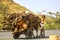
point(16, 35)
point(29, 34)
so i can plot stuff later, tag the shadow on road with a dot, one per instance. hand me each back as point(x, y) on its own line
point(35, 38)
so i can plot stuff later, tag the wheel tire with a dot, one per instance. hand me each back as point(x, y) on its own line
point(29, 34)
point(16, 35)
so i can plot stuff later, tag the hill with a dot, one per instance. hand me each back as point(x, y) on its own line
point(8, 7)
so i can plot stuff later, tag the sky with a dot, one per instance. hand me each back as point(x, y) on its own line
point(40, 5)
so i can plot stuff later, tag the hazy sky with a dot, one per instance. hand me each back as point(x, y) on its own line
point(39, 5)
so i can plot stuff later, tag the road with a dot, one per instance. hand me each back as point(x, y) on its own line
point(8, 35)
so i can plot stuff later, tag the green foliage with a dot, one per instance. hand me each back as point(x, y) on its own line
point(52, 23)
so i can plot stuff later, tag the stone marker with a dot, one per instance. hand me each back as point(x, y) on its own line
point(53, 37)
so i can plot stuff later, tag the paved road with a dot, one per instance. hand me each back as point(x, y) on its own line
point(8, 35)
